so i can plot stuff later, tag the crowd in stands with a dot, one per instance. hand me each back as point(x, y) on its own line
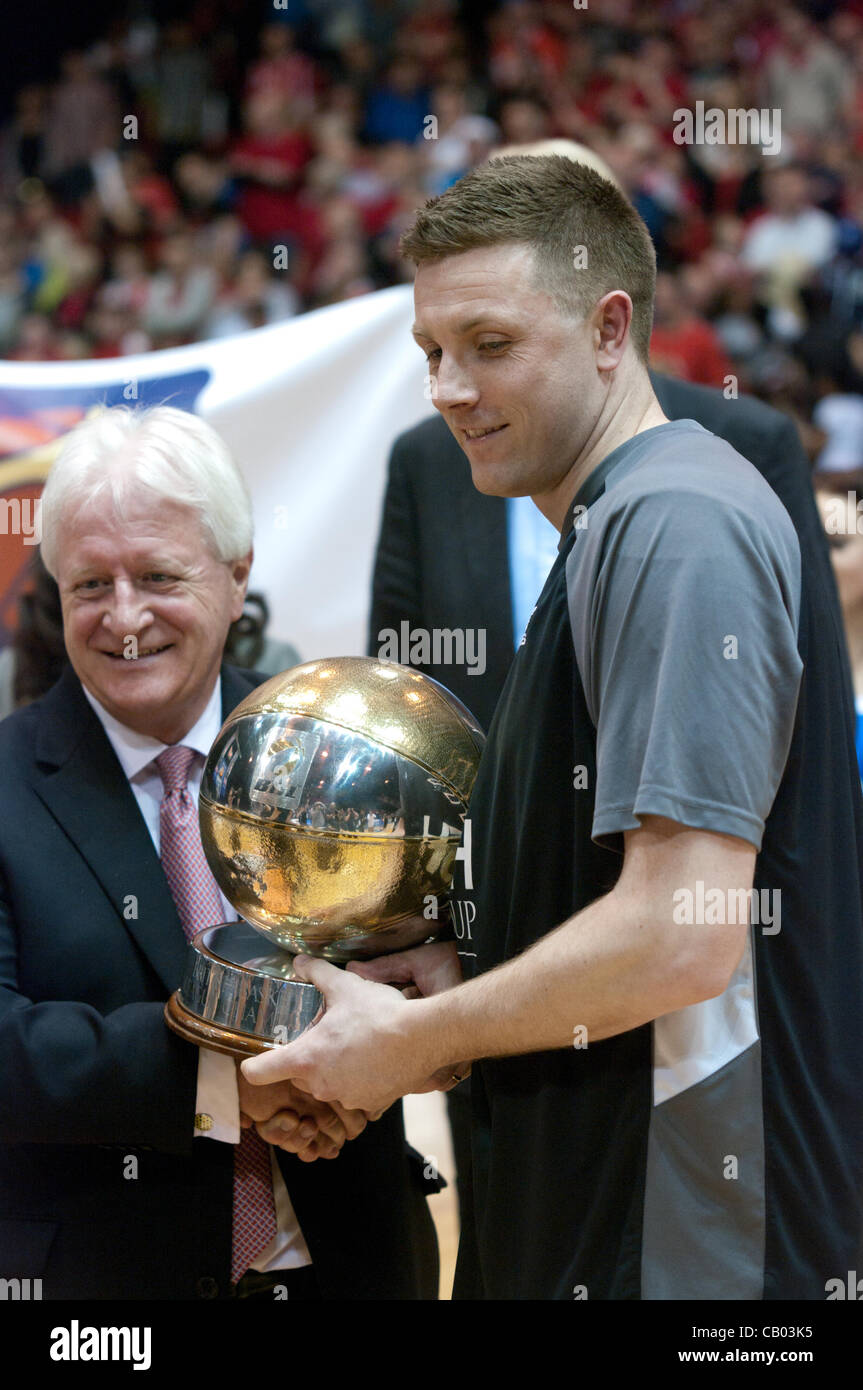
point(187, 179)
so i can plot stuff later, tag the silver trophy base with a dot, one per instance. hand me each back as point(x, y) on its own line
point(237, 996)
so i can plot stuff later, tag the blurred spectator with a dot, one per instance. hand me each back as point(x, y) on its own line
point(186, 109)
point(523, 120)
point(83, 117)
point(683, 344)
point(460, 140)
point(843, 277)
point(205, 186)
point(526, 50)
point(722, 169)
point(840, 417)
point(807, 77)
point(343, 271)
point(36, 340)
point(12, 297)
point(254, 299)
point(282, 70)
point(839, 503)
point(22, 141)
point(37, 654)
point(835, 367)
point(180, 295)
point(790, 240)
point(397, 107)
point(267, 161)
point(220, 244)
point(151, 196)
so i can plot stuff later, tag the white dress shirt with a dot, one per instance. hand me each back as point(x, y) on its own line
point(218, 1094)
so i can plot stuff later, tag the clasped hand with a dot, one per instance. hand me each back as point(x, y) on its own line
point(366, 1048)
point(293, 1120)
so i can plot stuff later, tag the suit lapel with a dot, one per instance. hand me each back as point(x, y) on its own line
point(236, 685)
point(84, 787)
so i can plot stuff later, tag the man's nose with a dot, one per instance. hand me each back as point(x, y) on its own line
point(452, 385)
point(127, 611)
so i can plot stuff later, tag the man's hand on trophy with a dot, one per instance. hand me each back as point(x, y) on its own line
point(361, 1051)
point(420, 972)
point(293, 1120)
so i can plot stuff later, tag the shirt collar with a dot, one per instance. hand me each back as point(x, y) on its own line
point(595, 483)
point(592, 488)
point(135, 751)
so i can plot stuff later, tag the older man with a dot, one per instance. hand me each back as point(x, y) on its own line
point(130, 1166)
point(664, 931)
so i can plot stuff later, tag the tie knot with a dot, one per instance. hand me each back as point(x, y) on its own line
point(174, 766)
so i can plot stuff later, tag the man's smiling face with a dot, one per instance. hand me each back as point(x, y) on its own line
point(150, 575)
point(514, 378)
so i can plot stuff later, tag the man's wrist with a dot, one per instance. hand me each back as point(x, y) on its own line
point(425, 1034)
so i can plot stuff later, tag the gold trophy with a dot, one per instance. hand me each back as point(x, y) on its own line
point(331, 807)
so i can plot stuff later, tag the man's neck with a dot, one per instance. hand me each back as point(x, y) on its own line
point(614, 426)
point(168, 731)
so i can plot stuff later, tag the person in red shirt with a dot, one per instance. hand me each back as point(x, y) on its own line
point(269, 159)
point(683, 344)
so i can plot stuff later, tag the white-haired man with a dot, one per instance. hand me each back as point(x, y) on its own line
point(124, 1170)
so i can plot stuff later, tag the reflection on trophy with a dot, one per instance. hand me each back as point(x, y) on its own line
point(331, 806)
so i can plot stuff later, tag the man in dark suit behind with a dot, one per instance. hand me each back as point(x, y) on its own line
point(112, 1182)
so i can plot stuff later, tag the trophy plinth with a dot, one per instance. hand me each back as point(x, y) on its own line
point(331, 808)
point(237, 997)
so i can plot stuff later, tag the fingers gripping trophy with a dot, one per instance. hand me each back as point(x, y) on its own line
point(332, 807)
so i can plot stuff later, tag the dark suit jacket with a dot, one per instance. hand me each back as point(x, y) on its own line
point(91, 1078)
point(442, 559)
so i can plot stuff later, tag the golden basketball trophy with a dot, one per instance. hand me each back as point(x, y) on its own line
point(331, 810)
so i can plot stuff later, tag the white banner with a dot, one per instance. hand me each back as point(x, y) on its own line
point(309, 408)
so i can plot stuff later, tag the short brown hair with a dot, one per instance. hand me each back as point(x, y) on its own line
point(555, 206)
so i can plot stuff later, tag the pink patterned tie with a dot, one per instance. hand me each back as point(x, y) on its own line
point(199, 904)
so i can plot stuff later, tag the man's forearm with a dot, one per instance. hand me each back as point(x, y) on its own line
point(604, 971)
point(617, 964)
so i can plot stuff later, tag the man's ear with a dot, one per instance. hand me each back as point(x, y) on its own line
point(613, 321)
point(240, 571)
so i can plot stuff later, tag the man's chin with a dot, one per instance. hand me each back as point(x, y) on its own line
point(137, 698)
point(491, 485)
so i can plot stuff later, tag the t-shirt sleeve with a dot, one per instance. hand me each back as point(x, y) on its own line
point(684, 616)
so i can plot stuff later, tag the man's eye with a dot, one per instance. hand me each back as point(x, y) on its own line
point(492, 347)
point(158, 578)
point(433, 355)
point(89, 585)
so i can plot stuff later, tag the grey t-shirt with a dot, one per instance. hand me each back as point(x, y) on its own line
point(684, 600)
